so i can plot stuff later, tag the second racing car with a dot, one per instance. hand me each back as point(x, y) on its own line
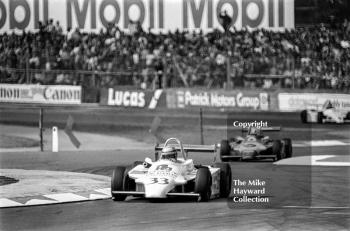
point(172, 176)
point(256, 146)
point(328, 113)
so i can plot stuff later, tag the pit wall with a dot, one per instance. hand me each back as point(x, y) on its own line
point(285, 100)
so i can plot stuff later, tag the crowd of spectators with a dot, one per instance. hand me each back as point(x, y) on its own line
point(309, 57)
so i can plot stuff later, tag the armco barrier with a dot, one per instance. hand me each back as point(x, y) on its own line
point(300, 101)
point(45, 94)
point(133, 98)
point(218, 99)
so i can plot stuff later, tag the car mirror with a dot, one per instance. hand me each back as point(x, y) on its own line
point(148, 162)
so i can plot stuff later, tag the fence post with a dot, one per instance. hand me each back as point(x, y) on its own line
point(201, 125)
point(41, 120)
point(54, 139)
point(293, 77)
point(27, 70)
point(228, 71)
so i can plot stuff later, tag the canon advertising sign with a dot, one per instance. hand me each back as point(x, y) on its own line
point(46, 94)
point(159, 15)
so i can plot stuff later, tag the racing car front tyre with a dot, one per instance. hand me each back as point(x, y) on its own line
point(276, 149)
point(117, 183)
point(128, 183)
point(288, 148)
point(225, 179)
point(202, 184)
point(224, 150)
point(303, 116)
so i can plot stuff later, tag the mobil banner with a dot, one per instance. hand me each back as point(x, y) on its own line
point(301, 101)
point(220, 99)
point(133, 98)
point(158, 15)
point(47, 94)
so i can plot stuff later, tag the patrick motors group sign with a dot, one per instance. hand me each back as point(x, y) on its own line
point(221, 99)
point(159, 15)
point(48, 94)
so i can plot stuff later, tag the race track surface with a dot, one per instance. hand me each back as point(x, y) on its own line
point(319, 194)
point(309, 198)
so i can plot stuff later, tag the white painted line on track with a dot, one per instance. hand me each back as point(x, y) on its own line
point(4, 202)
point(316, 207)
point(323, 143)
point(315, 160)
point(320, 143)
point(40, 202)
point(106, 191)
point(94, 196)
point(66, 197)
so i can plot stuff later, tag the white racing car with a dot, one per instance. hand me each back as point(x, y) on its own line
point(169, 175)
point(327, 114)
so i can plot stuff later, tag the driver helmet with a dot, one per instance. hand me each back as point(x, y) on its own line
point(169, 153)
point(254, 131)
point(328, 105)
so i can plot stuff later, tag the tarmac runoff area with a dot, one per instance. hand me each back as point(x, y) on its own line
point(89, 141)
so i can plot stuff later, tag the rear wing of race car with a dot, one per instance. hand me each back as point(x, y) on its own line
point(265, 129)
point(188, 148)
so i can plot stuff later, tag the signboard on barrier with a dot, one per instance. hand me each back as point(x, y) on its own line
point(301, 101)
point(159, 15)
point(219, 99)
point(133, 98)
point(46, 94)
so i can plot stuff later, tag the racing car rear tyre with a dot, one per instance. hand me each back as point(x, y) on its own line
point(203, 183)
point(117, 183)
point(224, 150)
point(276, 149)
point(288, 148)
point(320, 117)
point(225, 179)
point(303, 116)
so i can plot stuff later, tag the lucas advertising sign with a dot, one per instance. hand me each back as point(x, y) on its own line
point(159, 15)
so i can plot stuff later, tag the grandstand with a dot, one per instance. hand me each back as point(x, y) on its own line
point(314, 55)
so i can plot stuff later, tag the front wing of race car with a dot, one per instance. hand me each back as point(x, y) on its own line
point(184, 189)
point(248, 154)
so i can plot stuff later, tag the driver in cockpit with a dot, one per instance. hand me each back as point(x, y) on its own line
point(253, 131)
point(169, 153)
point(328, 105)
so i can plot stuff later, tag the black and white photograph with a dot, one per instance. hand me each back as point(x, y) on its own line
point(174, 115)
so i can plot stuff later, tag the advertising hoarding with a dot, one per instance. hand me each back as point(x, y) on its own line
point(46, 94)
point(159, 15)
point(301, 101)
